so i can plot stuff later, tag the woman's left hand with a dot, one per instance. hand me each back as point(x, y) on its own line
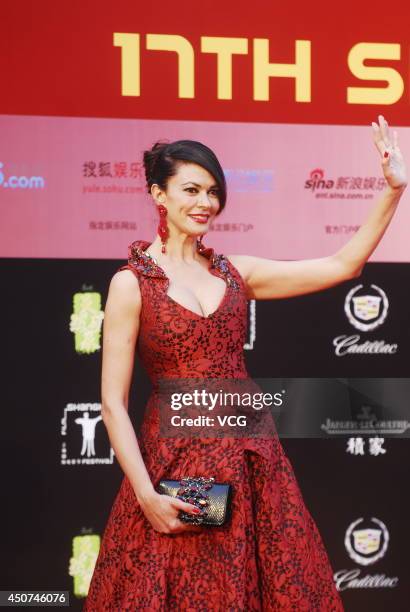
point(393, 165)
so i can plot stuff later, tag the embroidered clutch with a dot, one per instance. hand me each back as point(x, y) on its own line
point(212, 498)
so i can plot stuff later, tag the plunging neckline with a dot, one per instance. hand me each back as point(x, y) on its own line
point(171, 299)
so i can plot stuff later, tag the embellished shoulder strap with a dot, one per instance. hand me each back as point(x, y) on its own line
point(143, 265)
point(224, 266)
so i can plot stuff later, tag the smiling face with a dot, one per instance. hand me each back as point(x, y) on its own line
point(191, 199)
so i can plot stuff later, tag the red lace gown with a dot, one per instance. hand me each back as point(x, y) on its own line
point(269, 556)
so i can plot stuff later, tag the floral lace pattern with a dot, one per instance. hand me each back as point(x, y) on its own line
point(269, 556)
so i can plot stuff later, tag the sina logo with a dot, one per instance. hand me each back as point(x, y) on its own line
point(366, 309)
point(317, 180)
point(366, 543)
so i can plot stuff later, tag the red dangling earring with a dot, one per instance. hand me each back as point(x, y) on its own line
point(199, 244)
point(162, 226)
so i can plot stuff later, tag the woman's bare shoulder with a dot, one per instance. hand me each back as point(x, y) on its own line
point(124, 287)
point(125, 277)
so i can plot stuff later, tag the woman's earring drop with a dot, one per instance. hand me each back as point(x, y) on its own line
point(162, 226)
point(199, 244)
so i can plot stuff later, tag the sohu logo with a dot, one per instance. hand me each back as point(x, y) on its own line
point(367, 545)
point(368, 311)
point(317, 180)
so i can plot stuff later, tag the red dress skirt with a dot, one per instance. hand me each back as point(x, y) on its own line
point(269, 555)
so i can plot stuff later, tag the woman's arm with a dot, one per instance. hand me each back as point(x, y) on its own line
point(121, 325)
point(268, 279)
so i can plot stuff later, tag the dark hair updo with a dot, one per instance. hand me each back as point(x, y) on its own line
point(162, 161)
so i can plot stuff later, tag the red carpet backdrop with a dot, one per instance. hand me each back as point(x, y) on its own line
point(285, 96)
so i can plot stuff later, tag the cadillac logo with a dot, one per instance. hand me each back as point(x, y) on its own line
point(367, 544)
point(366, 312)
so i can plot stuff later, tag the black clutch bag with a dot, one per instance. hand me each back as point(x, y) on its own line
point(212, 498)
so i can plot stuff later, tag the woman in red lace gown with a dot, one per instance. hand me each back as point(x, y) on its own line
point(185, 310)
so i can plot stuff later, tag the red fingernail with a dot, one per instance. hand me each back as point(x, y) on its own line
point(196, 510)
point(386, 154)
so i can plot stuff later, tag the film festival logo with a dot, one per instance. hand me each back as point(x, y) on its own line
point(80, 428)
point(366, 543)
point(366, 310)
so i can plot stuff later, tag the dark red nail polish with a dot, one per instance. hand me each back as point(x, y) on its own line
point(196, 510)
point(386, 154)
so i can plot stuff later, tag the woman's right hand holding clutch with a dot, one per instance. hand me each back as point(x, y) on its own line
point(162, 512)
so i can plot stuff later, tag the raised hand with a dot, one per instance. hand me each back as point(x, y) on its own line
point(394, 167)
